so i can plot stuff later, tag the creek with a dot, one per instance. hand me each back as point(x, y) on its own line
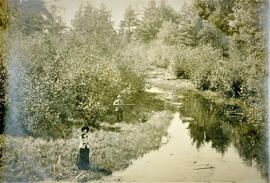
point(206, 142)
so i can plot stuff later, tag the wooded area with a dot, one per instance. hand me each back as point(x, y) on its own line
point(58, 75)
point(54, 79)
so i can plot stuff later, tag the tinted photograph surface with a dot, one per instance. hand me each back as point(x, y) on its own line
point(134, 91)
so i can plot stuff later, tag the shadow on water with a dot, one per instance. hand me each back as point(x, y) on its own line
point(224, 125)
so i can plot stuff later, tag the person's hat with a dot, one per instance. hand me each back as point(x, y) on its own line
point(85, 128)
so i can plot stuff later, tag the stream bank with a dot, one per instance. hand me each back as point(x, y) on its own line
point(179, 161)
point(205, 144)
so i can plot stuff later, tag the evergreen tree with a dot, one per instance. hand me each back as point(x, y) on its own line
point(222, 15)
point(247, 27)
point(30, 16)
point(204, 8)
point(150, 24)
point(153, 17)
point(167, 13)
point(129, 23)
point(189, 27)
point(97, 28)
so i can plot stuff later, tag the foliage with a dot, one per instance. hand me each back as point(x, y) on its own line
point(4, 23)
point(217, 12)
point(204, 45)
point(57, 81)
point(210, 70)
point(168, 33)
point(33, 16)
point(220, 46)
point(129, 23)
point(153, 17)
point(35, 159)
point(247, 27)
point(159, 54)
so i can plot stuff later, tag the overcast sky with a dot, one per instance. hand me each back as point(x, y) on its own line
point(68, 8)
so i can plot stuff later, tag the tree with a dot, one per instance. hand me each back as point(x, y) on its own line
point(29, 16)
point(168, 33)
point(4, 22)
point(189, 27)
point(153, 17)
point(222, 15)
point(167, 13)
point(247, 27)
point(150, 24)
point(129, 23)
point(204, 8)
point(97, 28)
point(55, 25)
point(58, 81)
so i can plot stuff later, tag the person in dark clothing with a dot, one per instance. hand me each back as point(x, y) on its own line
point(83, 157)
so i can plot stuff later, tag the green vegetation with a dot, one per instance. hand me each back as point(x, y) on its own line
point(58, 80)
point(73, 75)
point(4, 22)
point(219, 45)
point(36, 159)
point(61, 78)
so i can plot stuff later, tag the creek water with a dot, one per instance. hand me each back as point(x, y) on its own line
point(206, 142)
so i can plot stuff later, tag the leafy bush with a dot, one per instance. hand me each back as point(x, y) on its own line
point(58, 83)
point(196, 64)
point(159, 54)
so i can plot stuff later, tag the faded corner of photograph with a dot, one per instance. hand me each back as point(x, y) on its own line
point(152, 91)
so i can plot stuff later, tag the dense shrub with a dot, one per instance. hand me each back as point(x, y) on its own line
point(181, 65)
point(159, 54)
point(57, 82)
point(196, 64)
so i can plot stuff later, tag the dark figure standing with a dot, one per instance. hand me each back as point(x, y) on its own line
point(118, 104)
point(83, 157)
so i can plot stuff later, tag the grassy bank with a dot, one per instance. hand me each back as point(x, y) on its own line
point(29, 159)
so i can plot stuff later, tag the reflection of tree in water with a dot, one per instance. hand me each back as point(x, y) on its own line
point(197, 132)
point(220, 124)
point(206, 126)
point(250, 143)
point(210, 132)
point(219, 136)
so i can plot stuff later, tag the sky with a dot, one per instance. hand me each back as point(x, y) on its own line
point(68, 8)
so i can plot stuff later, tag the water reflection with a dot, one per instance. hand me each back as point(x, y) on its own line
point(223, 125)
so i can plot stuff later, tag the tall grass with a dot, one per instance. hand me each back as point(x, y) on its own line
point(35, 159)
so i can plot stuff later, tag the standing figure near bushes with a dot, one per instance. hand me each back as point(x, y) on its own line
point(118, 104)
point(83, 156)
